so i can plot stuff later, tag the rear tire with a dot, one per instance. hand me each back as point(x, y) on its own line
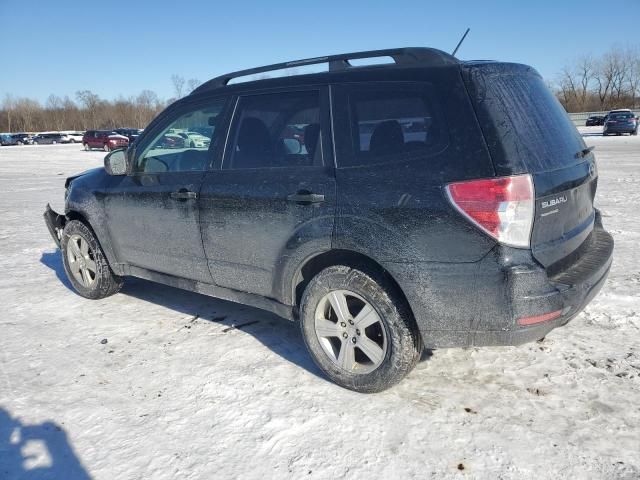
point(367, 348)
point(85, 264)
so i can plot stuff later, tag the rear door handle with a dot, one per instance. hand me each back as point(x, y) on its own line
point(183, 195)
point(305, 198)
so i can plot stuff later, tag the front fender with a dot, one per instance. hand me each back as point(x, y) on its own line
point(85, 200)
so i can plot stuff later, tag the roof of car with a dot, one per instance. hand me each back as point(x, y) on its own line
point(402, 57)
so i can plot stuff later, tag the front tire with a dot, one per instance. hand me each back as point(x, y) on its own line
point(106, 148)
point(85, 264)
point(358, 329)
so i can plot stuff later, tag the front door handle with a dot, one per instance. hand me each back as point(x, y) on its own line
point(183, 195)
point(304, 197)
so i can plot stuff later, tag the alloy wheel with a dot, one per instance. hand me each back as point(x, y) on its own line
point(81, 261)
point(350, 332)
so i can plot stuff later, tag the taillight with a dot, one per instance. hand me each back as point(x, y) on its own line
point(503, 207)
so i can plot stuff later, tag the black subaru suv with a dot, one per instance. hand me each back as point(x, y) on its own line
point(422, 203)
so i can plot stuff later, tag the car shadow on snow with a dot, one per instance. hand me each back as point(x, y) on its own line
point(53, 260)
point(41, 451)
point(279, 335)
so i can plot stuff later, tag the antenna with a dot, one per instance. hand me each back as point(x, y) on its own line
point(460, 42)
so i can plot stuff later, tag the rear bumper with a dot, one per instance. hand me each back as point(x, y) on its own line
point(55, 223)
point(620, 129)
point(479, 304)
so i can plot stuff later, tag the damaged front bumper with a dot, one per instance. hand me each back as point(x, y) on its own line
point(55, 223)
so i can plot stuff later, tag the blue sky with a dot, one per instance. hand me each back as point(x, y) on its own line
point(123, 47)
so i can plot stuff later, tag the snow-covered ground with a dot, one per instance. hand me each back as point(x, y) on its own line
point(156, 383)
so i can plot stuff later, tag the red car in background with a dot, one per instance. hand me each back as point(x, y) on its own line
point(106, 140)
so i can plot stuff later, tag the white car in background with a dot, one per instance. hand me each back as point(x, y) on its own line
point(76, 137)
point(71, 136)
point(195, 140)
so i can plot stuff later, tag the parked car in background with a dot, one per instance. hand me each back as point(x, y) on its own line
point(170, 140)
point(49, 139)
point(595, 120)
point(130, 133)
point(66, 138)
point(194, 140)
point(107, 140)
point(619, 122)
point(6, 139)
point(73, 136)
point(23, 138)
point(413, 212)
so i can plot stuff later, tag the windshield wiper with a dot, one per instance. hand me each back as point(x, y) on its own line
point(585, 152)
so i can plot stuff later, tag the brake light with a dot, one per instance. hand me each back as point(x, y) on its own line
point(502, 207)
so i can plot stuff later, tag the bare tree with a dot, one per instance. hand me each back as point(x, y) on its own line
point(585, 72)
point(56, 111)
point(633, 79)
point(8, 105)
point(90, 101)
point(567, 85)
point(611, 80)
point(192, 84)
point(178, 85)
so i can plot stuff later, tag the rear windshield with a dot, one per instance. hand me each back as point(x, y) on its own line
point(526, 128)
point(621, 116)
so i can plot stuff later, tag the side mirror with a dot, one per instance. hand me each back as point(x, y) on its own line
point(115, 163)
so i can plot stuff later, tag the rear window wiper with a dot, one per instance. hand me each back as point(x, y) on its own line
point(583, 153)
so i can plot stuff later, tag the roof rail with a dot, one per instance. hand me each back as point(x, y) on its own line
point(401, 56)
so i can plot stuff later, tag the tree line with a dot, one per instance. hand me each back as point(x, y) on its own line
point(598, 83)
point(87, 110)
point(589, 83)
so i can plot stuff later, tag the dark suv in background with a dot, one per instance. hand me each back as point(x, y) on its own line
point(595, 120)
point(49, 139)
point(619, 122)
point(130, 133)
point(388, 208)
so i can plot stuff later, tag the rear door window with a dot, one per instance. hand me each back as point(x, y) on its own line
point(276, 130)
point(392, 123)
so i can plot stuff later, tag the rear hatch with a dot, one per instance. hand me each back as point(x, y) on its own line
point(528, 131)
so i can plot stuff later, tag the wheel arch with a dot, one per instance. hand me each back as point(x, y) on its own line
point(314, 265)
point(74, 214)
